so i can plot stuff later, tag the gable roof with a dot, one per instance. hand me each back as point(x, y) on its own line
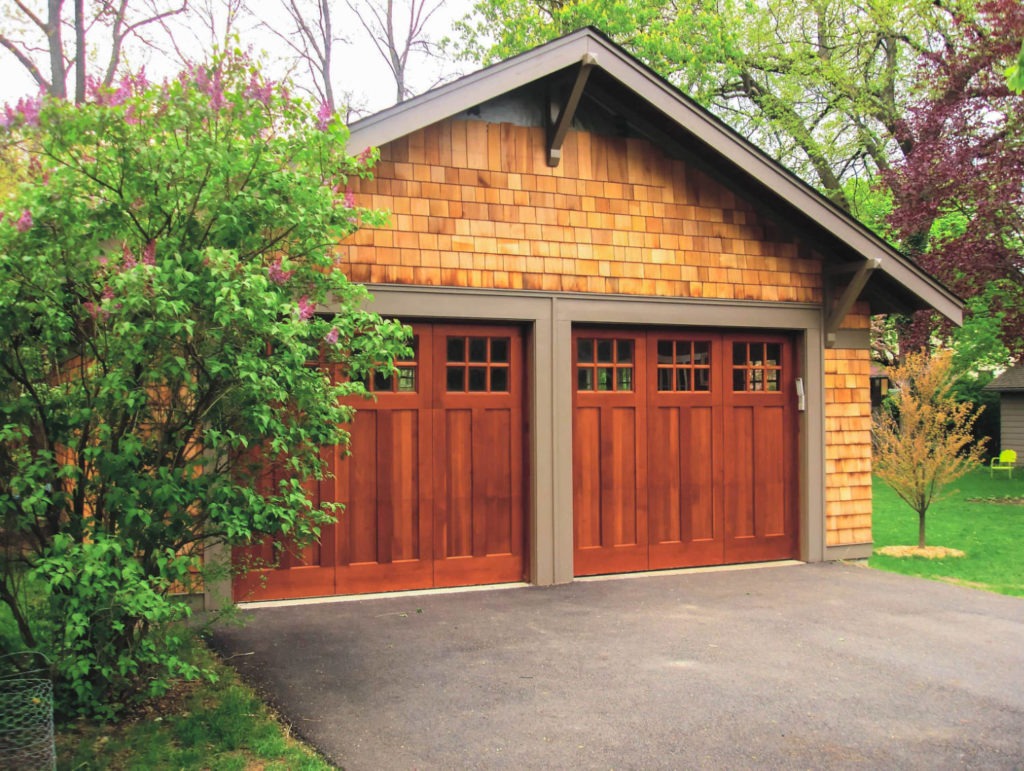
point(657, 109)
point(1011, 380)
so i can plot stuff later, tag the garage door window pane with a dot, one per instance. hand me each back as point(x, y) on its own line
point(605, 378)
point(585, 379)
point(456, 379)
point(624, 351)
point(478, 349)
point(499, 379)
point(477, 379)
point(665, 354)
point(499, 349)
point(585, 351)
point(456, 349)
point(605, 349)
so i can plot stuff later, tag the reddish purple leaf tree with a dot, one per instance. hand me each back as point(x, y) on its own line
point(959, 193)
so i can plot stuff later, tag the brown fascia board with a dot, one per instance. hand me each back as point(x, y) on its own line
point(476, 88)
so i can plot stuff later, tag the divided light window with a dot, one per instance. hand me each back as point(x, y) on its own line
point(684, 365)
point(604, 364)
point(756, 366)
point(477, 364)
point(404, 379)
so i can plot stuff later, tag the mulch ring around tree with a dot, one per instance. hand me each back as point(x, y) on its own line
point(1006, 500)
point(928, 552)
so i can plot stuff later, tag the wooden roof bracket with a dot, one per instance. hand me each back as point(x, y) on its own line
point(561, 116)
point(861, 273)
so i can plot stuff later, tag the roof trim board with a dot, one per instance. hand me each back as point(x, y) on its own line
point(590, 47)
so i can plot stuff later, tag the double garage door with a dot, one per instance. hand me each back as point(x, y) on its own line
point(684, 454)
point(684, 449)
point(434, 488)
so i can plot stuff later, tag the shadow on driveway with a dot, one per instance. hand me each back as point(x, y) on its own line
point(813, 666)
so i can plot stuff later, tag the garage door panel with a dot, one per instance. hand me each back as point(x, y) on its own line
point(586, 483)
point(619, 469)
point(698, 464)
point(500, 491)
point(666, 477)
point(739, 473)
point(454, 514)
point(770, 472)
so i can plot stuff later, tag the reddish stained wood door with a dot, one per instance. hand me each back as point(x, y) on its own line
point(712, 442)
point(478, 455)
point(609, 453)
point(760, 449)
point(433, 490)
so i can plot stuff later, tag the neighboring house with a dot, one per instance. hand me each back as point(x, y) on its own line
point(640, 342)
point(1010, 386)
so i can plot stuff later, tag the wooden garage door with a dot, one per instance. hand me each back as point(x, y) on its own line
point(684, 449)
point(433, 489)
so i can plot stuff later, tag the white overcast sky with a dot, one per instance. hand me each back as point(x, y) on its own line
point(359, 68)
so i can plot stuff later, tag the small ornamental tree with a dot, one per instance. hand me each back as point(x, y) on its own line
point(159, 275)
point(923, 436)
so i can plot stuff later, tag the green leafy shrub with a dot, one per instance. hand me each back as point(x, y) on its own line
point(160, 274)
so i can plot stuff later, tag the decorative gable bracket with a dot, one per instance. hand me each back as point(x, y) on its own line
point(560, 116)
point(861, 273)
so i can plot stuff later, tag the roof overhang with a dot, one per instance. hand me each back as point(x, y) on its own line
point(659, 110)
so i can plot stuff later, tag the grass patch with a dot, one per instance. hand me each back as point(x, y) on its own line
point(980, 518)
point(222, 726)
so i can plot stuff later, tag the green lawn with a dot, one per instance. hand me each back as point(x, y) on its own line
point(990, 533)
point(223, 726)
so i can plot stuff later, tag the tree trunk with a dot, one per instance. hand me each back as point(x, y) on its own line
point(81, 56)
point(920, 530)
point(58, 83)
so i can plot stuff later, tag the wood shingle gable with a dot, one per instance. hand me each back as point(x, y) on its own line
point(638, 103)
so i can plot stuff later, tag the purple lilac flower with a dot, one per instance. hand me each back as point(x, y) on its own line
point(259, 90)
point(350, 199)
point(324, 116)
point(277, 274)
point(331, 337)
point(24, 221)
point(128, 259)
point(305, 308)
point(149, 253)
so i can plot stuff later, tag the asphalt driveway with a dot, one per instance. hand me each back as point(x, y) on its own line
point(805, 666)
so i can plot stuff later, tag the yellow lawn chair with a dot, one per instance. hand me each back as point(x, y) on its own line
point(1005, 462)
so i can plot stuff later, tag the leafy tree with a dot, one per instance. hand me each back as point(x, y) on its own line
point(159, 276)
point(820, 86)
point(923, 436)
point(959, 202)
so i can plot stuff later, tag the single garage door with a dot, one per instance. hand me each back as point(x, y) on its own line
point(434, 488)
point(684, 449)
